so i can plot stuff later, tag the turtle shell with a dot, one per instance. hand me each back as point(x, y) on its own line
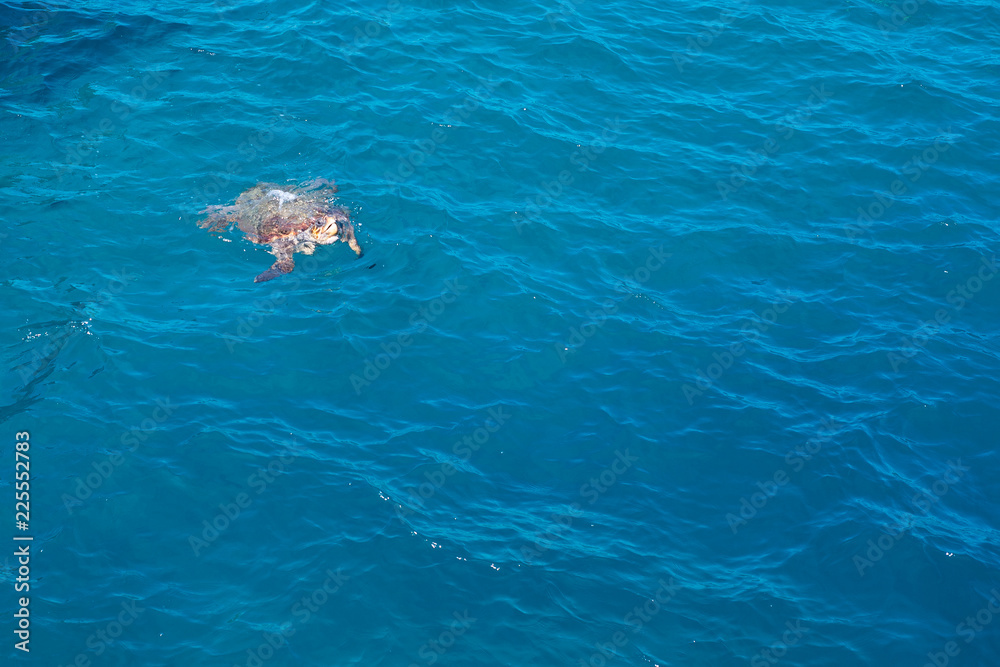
point(275, 227)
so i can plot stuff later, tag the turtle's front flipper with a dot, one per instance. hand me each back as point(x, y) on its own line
point(215, 223)
point(284, 264)
point(347, 234)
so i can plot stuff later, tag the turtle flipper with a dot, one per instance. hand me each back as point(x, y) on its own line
point(284, 263)
point(277, 269)
point(216, 222)
point(347, 235)
point(353, 242)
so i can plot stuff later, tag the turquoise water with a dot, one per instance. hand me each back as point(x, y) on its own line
point(675, 339)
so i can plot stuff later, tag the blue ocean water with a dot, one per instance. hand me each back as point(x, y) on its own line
point(675, 339)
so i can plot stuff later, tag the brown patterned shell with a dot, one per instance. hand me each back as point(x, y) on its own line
point(274, 227)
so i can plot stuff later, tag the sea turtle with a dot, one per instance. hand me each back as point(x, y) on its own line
point(289, 219)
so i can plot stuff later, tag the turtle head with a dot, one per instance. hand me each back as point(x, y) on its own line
point(326, 230)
